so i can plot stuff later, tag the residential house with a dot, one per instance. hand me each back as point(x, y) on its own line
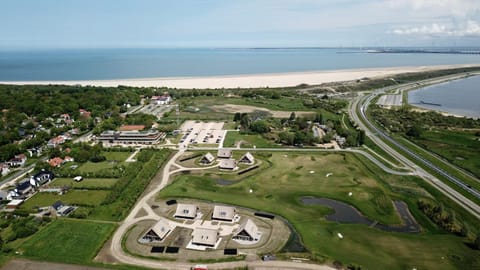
point(61, 209)
point(224, 153)
point(69, 159)
point(158, 232)
point(21, 190)
point(56, 162)
point(17, 161)
point(247, 231)
point(4, 169)
point(41, 178)
point(54, 142)
point(207, 159)
point(74, 131)
point(14, 204)
point(223, 213)
point(161, 100)
point(205, 237)
point(36, 151)
point(84, 113)
point(247, 159)
point(188, 211)
point(3, 195)
point(227, 164)
point(65, 116)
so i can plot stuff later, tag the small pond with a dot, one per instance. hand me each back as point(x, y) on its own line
point(345, 213)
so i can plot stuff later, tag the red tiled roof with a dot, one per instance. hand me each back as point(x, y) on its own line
point(55, 162)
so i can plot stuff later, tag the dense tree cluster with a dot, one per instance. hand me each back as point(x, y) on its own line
point(24, 109)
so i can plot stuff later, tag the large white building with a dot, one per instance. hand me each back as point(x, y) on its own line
point(131, 137)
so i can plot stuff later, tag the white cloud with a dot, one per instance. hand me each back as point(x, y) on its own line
point(457, 8)
point(470, 28)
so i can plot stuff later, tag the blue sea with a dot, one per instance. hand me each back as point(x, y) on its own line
point(94, 64)
point(460, 97)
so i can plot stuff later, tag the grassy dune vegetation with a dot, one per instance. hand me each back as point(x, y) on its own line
point(277, 189)
point(459, 147)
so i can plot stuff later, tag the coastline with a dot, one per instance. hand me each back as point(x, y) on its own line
point(250, 80)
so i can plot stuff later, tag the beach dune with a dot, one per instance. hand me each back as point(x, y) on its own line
point(248, 81)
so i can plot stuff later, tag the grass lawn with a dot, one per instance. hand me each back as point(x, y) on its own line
point(277, 190)
point(118, 156)
point(86, 183)
point(72, 197)
point(69, 241)
point(248, 140)
point(91, 167)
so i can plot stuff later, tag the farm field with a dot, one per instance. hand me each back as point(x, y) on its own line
point(70, 241)
point(278, 189)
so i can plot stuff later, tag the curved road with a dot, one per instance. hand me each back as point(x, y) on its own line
point(357, 111)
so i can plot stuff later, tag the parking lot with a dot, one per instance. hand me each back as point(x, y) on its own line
point(156, 110)
point(196, 132)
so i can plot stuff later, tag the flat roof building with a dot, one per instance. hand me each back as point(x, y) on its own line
point(131, 137)
point(224, 213)
point(205, 237)
point(186, 211)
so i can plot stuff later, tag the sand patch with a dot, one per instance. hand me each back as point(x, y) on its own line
point(232, 108)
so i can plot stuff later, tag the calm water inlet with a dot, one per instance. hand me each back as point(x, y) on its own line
point(459, 97)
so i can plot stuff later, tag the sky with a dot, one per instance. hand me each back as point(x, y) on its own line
point(241, 23)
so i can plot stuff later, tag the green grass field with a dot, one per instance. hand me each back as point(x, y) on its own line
point(87, 183)
point(277, 190)
point(92, 167)
point(248, 140)
point(69, 241)
point(118, 156)
point(72, 197)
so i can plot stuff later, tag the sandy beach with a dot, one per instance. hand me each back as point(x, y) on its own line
point(248, 81)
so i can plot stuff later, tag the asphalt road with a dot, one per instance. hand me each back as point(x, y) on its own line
point(357, 111)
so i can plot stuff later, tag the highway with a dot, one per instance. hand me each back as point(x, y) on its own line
point(357, 111)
